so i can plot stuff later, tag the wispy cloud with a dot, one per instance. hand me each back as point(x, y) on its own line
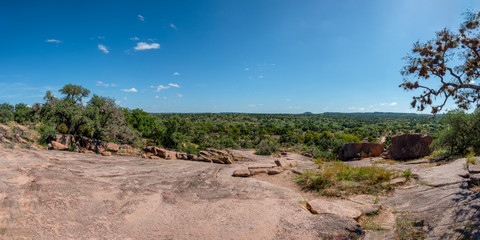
point(176, 73)
point(161, 87)
point(179, 95)
point(296, 107)
point(103, 84)
point(145, 46)
point(53, 41)
point(173, 26)
point(246, 69)
point(361, 109)
point(252, 105)
point(141, 18)
point(261, 76)
point(101, 37)
point(103, 48)
point(132, 90)
point(393, 104)
point(134, 38)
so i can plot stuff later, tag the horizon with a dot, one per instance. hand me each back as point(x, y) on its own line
point(273, 57)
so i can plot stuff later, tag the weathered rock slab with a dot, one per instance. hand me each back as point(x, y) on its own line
point(409, 146)
point(320, 206)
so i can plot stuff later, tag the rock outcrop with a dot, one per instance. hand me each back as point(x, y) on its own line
point(209, 155)
point(360, 150)
point(409, 146)
point(82, 144)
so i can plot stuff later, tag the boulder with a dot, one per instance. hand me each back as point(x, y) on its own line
point(398, 181)
point(64, 139)
point(182, 156)
point(206, 153)
point(191, 156)
point(409, 146)
point(320, 206)
point(125, 147)
point(106, 153)
point(360, 150)
point(112, 147)
point(168, 155)
point(58, 146)
point(241, 173)
point(154, 157)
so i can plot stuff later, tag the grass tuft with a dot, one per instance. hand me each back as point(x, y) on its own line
point(338, 179)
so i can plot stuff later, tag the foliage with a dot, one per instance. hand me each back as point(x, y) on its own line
point(267, 147)
point(407, 228)
point(437, 58)
point(461, 133)
point(6, 112)
point(339, 179)
point(23, 113)
point(74, 92)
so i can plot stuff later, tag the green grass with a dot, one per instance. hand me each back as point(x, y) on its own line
point(338, 179)
point(471, 158)
point(409, 229)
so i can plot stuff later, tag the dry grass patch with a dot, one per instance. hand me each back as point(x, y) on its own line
point(338, 179)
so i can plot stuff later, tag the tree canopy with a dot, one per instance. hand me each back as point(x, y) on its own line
point(452, 58)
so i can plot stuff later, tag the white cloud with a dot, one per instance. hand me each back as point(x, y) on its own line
point(252, 105)
point(125, 98)
point(246, 69)
point(261, 76)
point(176, 73)
point(53, 41)
point(102, 84)
point(164, 98)
point(273, 64)
point(156, 96)
point(393, 104)
point(141, 18)
point(103, 48)
point(472, 82)
point(179, 95)
point(297, 107)
point(101, 37)
point(129, 90)
point(173, 26)
point(361, 109)
point(161, 87)
point(134, 38)
point(146, 46)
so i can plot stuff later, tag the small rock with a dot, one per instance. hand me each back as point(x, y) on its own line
point(283, 163)
point(154, 157)
point(464, 174)
point(399, 180)
point(191, 156)
point(283, 153)
point(106, 153)
point(369, 209)
point(256, 166)
point(144, 155)
point(125, 147)
point(320, 206)
point(241, 173)
point(275, 171)
point(473, 168)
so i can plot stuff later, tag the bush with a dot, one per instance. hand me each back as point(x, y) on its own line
point(46, 130)
point(461, 134)
point(267, 147)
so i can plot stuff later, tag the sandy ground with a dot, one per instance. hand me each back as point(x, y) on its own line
point(67, 195)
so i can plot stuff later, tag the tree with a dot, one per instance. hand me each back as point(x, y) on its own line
point(74, 92)
point(6, 112)
point(22, 113)
point(453, 58)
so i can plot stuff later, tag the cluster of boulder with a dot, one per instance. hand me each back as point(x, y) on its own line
point(83, 144)
point(209, 155)
point(270, 169)
point(405, 146)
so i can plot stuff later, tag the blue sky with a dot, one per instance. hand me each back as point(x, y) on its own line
point(256, 56)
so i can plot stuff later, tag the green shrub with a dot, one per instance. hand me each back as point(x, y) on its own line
point(62, 128)
point(267, 147)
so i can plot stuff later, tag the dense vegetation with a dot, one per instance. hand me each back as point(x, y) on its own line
point(319, 134)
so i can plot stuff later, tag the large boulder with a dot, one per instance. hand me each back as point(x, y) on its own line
point(409, 146)
point(58, 146)
point(360, 150)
